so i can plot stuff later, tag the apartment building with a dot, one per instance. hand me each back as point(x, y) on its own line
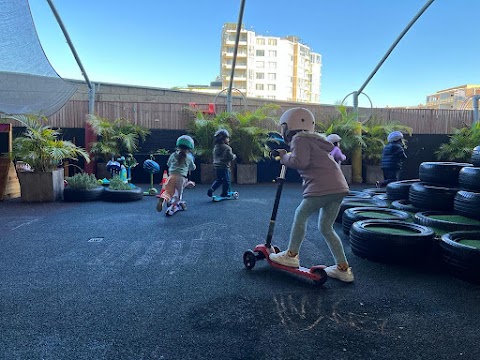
point(456, 98)
point(269, 67)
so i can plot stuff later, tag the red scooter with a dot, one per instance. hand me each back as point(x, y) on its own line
point(262, 251)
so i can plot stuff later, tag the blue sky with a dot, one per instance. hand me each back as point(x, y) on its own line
point(161, 43)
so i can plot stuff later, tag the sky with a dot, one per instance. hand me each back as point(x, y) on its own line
point(164, 44)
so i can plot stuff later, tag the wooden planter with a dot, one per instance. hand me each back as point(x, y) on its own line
point(374, 173)
point(41, 186)
point(207, 175)
point(246, 173)
point(347, 172)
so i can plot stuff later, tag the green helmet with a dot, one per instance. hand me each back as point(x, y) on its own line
point(186, 141)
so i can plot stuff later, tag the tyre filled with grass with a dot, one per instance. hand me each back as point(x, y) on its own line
point(460, 251)
point(82, 187)
point(118, 191)
point(391, 241)
point(446, 221)
point(352, 215)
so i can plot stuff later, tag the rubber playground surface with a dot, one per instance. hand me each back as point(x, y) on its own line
point(102, 280)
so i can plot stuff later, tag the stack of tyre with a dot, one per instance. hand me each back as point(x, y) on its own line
point(381, 233)
point(445, 199)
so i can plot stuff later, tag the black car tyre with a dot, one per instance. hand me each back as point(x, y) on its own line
point(441, 173)
point(460, 251)
point(467, 203)
point(432, 197)
point(72, 194)
point(391, 241)
point(134, 194)
point(446, 221)
point(398, 190)
point(352, 215)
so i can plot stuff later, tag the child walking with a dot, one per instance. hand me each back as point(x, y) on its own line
point(222, 158)
point(324, 187)
point(393, 156)
point(179, 164)
point(336, 153)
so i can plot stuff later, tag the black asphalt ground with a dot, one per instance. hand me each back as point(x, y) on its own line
point(120, 281)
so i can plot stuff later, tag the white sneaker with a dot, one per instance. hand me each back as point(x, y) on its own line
point(282, 258)
point(343, 275)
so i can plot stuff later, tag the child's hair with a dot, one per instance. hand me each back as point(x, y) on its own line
point(182, 154)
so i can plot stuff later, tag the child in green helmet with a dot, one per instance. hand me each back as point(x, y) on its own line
point(179, 164)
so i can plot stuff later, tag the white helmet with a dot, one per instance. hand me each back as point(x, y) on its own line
point(297, 119)
point(395, 136)
point(333, 138)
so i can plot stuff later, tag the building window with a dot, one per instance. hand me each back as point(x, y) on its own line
point(260, 75)
point(260, 52)
point(272, 53)
point(272, 42)
point(272, 76)
point(259, 86)
point(260, 41)
point(272, 65)
point(272, 87)
point(260, 64)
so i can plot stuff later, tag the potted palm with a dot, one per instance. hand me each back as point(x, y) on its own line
point(40, 147)
point(250, 140)
point(375, 132)
point(460, 145)
point(115, 138)
point(202, 129)
point(345, 125)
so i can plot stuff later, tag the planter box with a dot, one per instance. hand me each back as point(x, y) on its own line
point(246, 173)
point(374, 173)
point(207, 175)
point(347, 172)
point(41, 186)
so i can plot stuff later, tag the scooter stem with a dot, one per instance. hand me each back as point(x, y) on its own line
point(280, 180)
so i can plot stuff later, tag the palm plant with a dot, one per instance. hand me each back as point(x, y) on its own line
point(116, 137)
point(347, 127)
point(202, 131)
point(375, 132)
point(40, 146)
point(460, 145)
point(250, 133)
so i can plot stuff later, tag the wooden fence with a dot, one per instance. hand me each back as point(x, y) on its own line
point(175, 116)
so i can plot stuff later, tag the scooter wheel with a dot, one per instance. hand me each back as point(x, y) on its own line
point(322, 276)
point(235, 195)
point(249, 259)
point(152, 191)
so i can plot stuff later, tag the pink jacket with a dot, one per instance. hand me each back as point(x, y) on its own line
point(337, 155)
point(310, 155)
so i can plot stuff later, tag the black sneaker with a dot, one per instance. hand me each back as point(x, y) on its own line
point(210, 192)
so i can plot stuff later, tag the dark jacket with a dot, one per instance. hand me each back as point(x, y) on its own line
point(393, 156)
point(222, 156)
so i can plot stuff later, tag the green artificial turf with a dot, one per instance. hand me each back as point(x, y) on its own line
point(468, 242)
point(377, 215)
point(392, 230)
point(455, 218)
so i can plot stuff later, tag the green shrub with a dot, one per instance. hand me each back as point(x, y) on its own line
point(117, 184)
point(82, 181)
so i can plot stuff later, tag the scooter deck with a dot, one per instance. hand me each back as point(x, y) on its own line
point(232, 196)
point(314, 273)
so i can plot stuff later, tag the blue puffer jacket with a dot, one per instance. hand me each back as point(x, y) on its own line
point(393, 156)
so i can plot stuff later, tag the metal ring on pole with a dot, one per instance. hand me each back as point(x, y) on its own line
point(369, 100)
point(233, 89)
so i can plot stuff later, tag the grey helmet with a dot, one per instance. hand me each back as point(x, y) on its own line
point(222, 133)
